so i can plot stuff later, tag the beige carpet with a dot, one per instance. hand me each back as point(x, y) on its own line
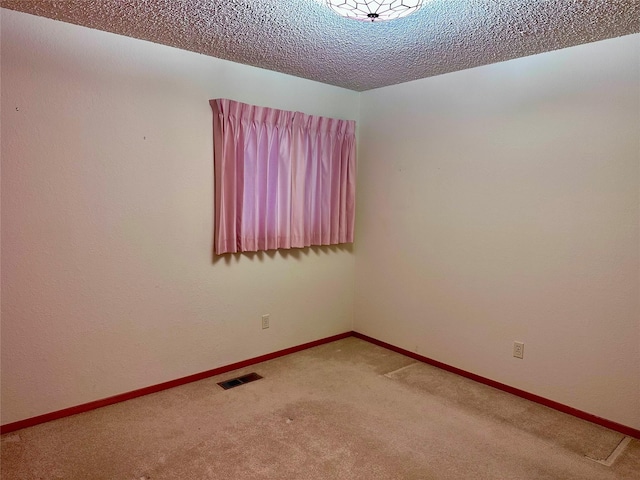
point(345, 410)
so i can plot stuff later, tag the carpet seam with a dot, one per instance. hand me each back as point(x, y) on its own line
point(393, 372)
point(615, 454)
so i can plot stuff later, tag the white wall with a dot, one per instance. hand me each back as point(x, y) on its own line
point(108, 283)
point(495, 204)
point(502, 203)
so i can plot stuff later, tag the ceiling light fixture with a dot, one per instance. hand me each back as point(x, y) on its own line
point(374, 10)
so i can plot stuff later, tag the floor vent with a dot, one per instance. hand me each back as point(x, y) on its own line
point(236, 382)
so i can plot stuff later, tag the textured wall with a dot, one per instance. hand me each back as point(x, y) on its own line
point(108, 283)
point(502, 203)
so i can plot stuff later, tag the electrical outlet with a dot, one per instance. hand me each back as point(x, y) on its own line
point(265, 321)
point(518, 349)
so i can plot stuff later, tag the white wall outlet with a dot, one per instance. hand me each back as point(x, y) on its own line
point(265, 321)
point(518, 349)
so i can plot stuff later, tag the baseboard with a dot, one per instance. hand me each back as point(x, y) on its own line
point(85, 407)
point(625, 430)
point(47, 417)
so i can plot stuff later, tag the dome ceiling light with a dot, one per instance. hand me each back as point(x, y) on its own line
point(374, 10)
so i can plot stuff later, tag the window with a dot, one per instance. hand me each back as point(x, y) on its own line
point(282, 179)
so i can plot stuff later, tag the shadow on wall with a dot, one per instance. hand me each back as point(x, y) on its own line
point(295, 253)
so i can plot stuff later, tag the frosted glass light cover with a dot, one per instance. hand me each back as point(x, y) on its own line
point(374, 10)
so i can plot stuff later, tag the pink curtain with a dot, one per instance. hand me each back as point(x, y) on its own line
point(282, 179)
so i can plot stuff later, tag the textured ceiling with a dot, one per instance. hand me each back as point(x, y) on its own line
point(306, 39)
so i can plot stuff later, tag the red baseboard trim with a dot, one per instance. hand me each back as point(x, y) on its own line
point(625, 430)
point(47, 417)
point(85, 407)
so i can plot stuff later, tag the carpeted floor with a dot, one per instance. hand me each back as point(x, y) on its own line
point(345, 410)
